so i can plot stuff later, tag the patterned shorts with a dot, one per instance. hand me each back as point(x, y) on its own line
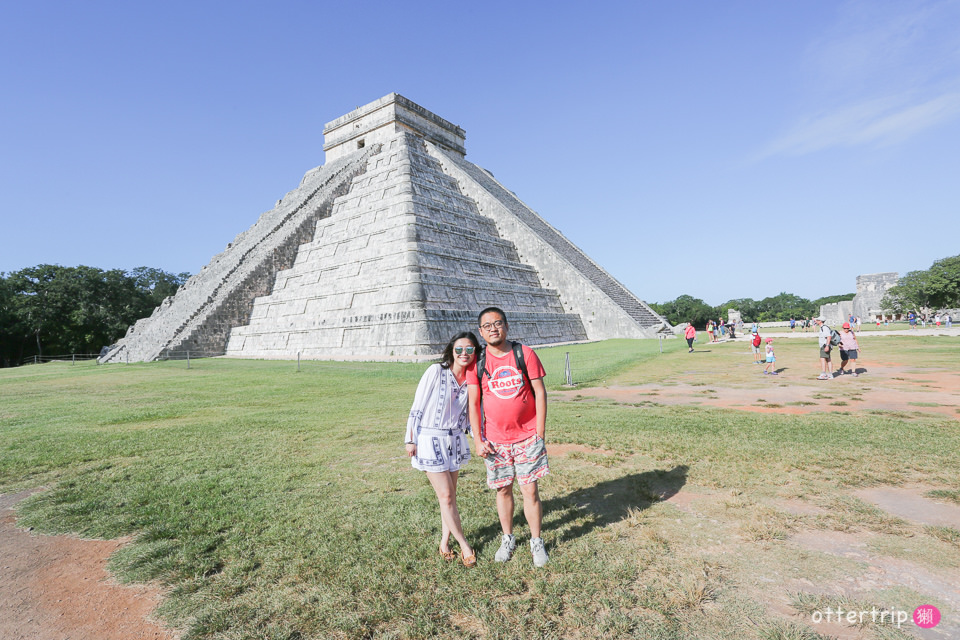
point(526, 460)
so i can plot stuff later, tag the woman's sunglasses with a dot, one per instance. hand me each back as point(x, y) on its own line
point(460, 350)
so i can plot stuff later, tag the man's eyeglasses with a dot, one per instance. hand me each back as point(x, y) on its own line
point(461, 350)
point(490, 325)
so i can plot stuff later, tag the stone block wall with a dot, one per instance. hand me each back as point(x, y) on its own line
point(871, 288)
point(201, 314)
point(606, 308)
point(404, 261)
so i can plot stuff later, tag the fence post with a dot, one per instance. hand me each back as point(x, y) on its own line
point(298, 362)
point(660, 335)
point(567, 373)
point(188, 359)
point(73, 358)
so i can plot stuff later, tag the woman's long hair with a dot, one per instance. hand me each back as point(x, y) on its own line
point(446, 361)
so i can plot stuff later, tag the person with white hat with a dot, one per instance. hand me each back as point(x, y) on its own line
point(826, 367)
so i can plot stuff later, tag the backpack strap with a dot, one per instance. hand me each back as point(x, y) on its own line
point(518, 356)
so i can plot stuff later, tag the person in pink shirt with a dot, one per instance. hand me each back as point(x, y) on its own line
point(509, 433)
point(690, 334)
point(849, 350)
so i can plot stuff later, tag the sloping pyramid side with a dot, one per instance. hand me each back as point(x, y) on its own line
point(608, 309)
point(199, 317)
point(404, 262)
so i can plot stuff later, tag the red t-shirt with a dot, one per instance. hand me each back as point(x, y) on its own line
point(509, 406)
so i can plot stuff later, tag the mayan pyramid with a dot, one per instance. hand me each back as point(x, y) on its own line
point(388, 249)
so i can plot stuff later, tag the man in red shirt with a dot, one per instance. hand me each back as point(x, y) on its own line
point(511, 437)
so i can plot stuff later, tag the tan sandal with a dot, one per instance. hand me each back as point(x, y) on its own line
point(469, 561)
point(448, 555)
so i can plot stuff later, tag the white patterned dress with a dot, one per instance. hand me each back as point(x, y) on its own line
point(438, 422)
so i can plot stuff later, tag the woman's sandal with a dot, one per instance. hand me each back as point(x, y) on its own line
point(448, 555)
point(469, 561)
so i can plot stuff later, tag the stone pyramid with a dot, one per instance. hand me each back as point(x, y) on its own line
point(388, 249)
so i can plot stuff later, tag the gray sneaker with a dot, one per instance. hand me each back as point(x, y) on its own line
point(507, 545)
point(540, 557)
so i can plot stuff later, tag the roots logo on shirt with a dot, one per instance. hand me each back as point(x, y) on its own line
point(505, 382)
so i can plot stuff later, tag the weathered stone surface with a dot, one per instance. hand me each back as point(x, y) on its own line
point(871, 288)
point(837, 313)
point(390, 248)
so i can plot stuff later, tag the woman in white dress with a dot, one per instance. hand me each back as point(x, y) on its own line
point(436, 437)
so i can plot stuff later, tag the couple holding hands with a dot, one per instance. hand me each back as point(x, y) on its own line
point(508, 433)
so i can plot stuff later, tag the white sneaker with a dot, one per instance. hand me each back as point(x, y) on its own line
point(507, 545)
point(540, 557)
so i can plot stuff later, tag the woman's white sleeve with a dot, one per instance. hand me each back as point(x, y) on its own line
point(420, 399)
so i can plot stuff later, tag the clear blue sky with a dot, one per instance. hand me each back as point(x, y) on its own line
point(719, 149)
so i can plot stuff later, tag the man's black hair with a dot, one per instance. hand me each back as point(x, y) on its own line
point(491, 310)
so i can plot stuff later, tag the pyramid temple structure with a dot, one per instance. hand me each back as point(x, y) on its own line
point(387, 250)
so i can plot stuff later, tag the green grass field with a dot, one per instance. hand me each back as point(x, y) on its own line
point(279, 504)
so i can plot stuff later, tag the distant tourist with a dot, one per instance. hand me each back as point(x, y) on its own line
point(510, 432)
point(858, 324)
point(826, 367)
point(710, 337)
point(755, 347)
point(436, 438)
point(936, 319)
point(948, 320)
point(721, 327)
point(849, 350)
point(755, 328)
point(793, 324)
point(769, 368)
point(690, 334)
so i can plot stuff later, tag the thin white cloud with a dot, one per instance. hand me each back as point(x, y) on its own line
point(879, 122)
point(882, 73)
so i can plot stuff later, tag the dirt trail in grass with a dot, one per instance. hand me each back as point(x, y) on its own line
point(886, 387)
point(58, 587)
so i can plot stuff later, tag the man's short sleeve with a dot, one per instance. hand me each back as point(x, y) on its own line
point(534, 366)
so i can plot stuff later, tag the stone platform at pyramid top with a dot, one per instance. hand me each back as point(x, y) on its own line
point(389, 249)
point(380, 120)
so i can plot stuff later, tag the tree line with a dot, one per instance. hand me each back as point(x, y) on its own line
point(773, 309)
point(928, 290)
point(51, 310)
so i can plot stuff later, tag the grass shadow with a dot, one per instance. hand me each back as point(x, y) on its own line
point(580, 512)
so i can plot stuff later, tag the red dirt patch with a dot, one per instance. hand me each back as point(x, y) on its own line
point(59, 587)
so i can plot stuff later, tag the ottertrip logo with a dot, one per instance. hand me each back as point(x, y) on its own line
point(505, 382)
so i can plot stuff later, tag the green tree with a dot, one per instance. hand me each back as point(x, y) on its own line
point(819, 302)
point(158, 284)
point(783, 307)
point(924, 291)
point(686, 309)
point(51, 309)
point(746, 306)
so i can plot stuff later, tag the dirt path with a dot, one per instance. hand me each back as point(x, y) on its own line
point(890, 387)
point(54, 587)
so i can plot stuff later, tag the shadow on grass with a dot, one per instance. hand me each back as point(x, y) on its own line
point(578, 513)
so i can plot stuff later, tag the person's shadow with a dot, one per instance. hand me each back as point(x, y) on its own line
point(600, 505)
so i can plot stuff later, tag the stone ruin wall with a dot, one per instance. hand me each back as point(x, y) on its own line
point(870, 291)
